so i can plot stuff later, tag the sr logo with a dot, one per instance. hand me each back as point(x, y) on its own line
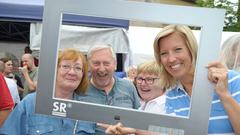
point(59, 109)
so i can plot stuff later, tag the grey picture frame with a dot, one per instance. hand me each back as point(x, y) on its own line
point(210, 21)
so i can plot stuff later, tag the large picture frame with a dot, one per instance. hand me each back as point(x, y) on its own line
point(210, 21)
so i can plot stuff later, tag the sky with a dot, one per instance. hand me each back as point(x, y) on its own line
point(234, 1)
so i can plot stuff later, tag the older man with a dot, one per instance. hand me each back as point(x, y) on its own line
point(30, 73)
point(104, 87)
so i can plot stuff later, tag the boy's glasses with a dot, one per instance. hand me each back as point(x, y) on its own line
point(149, 80)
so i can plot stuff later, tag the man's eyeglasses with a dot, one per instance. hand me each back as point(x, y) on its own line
point(67, 68)
point(148, 80)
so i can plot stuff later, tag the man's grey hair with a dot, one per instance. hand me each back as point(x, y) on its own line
point(98, 47)
point(2, 66)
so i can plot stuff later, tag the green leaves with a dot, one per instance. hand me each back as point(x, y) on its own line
point(232, 17)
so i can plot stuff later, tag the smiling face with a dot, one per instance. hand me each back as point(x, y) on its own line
point(102, 66)
point(149, 88)
point(69, 75)
point(175, 56)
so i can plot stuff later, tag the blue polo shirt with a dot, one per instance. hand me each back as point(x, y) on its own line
point(178, 103)
point(123, 94)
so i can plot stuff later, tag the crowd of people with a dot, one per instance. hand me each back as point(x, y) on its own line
point(163, 86)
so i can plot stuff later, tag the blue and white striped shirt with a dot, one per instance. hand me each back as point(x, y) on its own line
point(178, 103)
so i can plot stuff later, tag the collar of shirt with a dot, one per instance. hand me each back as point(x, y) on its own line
point(178, 87)
point(159, 100)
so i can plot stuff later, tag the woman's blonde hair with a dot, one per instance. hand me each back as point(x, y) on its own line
point(73, 54)
point(186, 33)
point(149, 67)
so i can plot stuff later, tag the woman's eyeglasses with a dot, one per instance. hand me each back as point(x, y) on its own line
point(67, 68)
point(149, 80)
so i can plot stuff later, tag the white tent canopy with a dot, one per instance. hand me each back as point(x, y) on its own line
point(83, 37)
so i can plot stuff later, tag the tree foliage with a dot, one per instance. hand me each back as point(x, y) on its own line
point(232, 17)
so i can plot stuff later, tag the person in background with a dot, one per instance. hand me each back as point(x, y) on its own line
point(149, 88)
point(175, 49)
point(71, 80)
point(27, 50)
point(131, 73)
point(12, 86)
point(230, 52)
point(6, 101)
point(30, 74)
point(8, 72)
point(104, 87)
